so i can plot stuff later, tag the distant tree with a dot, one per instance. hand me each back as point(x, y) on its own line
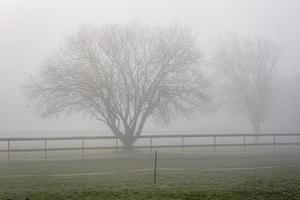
point(121, 75)
point(247, 67)
point(287, 105)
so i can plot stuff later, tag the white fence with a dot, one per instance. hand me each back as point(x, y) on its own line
point(182, 141)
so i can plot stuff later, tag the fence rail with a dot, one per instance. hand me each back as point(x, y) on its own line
point(150, 136)
point(150, 145)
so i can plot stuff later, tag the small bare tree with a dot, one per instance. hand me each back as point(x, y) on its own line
point(121, 75)
point(247, 67)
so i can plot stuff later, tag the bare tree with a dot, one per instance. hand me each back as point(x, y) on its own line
point(247, 67)
point(121, 75)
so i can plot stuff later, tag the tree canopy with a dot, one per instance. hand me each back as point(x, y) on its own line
point(121, 75)
point(247, 67)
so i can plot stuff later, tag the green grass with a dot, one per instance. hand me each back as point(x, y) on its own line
point(275, 183)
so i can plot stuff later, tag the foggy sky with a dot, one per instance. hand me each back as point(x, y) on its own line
point(32, 29)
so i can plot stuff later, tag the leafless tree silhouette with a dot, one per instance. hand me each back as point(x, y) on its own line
point(121, 75)
point(247, 67)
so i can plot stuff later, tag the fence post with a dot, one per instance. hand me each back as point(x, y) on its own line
point(45, 149)
point(274, 144)
point(8, 150)
point(151, 144)
point(155, 167)
point(215, 147)
point(244, 143)
point(82, 148)
point(182, 144)
point(116, 147)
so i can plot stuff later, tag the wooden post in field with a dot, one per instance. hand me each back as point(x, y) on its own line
point(82, 148)
point(182, 144)
point(274, 144)
point(116, 147)
point(244, 143)
point(215, 145)
point(45, 149)
point(155, 167)
point(8, 150)
point(151, 144)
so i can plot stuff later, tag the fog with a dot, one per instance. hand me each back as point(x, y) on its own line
point(32, 30)
point(156, 99)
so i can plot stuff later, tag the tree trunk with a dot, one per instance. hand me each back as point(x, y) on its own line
point(128, 142)
point(256, 131)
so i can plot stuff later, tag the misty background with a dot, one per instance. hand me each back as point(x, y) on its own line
point(32, 30)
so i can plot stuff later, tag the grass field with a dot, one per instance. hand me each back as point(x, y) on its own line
point(180, 176)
